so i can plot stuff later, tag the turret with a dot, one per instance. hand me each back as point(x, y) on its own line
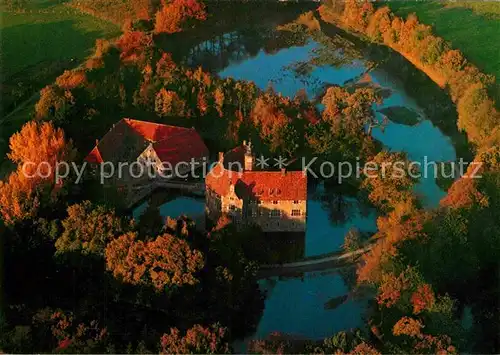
point(248, 156)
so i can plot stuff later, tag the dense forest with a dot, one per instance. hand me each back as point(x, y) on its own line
point(80, 275)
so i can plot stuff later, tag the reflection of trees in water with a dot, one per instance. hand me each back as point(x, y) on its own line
point(221, 50)
point(341, 205)
point(338, 205)
point(335, 51)
point(338, 208)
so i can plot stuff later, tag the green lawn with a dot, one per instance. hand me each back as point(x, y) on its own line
point(37, 45)
point(472, 27)
point(48, 31)
point(489, 9)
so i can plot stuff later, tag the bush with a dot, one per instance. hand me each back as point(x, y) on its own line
point(55, 104)
point(477, 114)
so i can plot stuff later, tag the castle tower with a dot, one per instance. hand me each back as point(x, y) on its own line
point(248, 156)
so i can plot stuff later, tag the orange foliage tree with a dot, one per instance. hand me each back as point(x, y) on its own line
point(162, 262)
point(36, 149)
point(17, 198)
point(270, 120)
point(133, 46)
point(198, 340)
point(423, 298)
point(71, 336)
point(408, 326)
point(55, 103)
point(174, 14)
point(391, 180)
point(71, 79)
point(39, 143)
point(168, 103)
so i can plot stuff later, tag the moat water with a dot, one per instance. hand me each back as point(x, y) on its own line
point(297, 306)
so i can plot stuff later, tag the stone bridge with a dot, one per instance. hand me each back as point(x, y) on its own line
point(137, 193)
point(311, 264)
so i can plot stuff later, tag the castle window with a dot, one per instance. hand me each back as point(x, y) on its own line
point(275, 213)
point(278, 192)
point(296, 202)
point(275, 202)
point(232, 208)
point(271, 191)
point(295, 212)
point(254, 212)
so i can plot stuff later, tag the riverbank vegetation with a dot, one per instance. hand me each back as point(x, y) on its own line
point(421, 255)
point(464, 24)
point(104, 283)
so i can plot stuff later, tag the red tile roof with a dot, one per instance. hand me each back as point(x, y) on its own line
point(259, 185)
point(181, 147)
point(128, 138)
point(94, 156)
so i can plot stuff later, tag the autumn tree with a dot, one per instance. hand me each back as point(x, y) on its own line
point(165, 68)
point(379, 24)
point(176, 13)
point(352, 240)
point(477, 113)
point(40, 142)
point(163, 262)
point(349, 111)
point(71, 79)
point(36, 149)
point(134, 46)
point(275, 343)
point(357, 14)
point(271, 121)
point(70, 335)
point(197, 340)
point(168, 103)
point(55, 103)
point(18, 199)
point(389, 180)
point(88, 229)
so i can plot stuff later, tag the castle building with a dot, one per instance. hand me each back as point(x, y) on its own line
point(162, 150)
point(274, 200)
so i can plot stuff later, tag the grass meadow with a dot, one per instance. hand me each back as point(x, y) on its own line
point(37, 44)
point(471, 26)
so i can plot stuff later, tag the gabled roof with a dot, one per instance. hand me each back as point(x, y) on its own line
point(128, 138)
point(258, 185)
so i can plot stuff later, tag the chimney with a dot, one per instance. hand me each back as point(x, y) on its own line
point(283, 171)
point(97, 142)
point(221, 156)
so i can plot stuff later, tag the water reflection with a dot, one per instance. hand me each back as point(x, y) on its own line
point(194, 208)
point(420, 140)
point(330, 217)
point(299, 307)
